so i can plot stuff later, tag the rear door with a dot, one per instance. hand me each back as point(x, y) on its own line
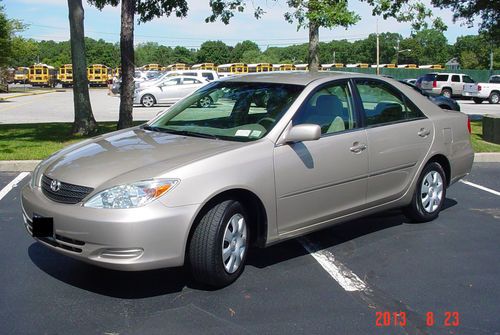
point(399, 136)
point(456, 84)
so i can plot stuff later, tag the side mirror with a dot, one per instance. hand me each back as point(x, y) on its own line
point(303, 132)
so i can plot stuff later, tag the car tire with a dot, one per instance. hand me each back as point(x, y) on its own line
point(148, 100)
point(205, 102)
point(429, 195)
point(478, 100)
point(494, 98)
point(446, 92)
point(219, 244)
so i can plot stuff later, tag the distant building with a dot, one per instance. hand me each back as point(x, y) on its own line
point(452, 64)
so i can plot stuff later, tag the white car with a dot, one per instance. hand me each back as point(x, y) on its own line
point(200, 74)
point(484, 91)
point(170, 91)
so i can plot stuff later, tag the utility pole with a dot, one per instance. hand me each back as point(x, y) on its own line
point(378, 52)
point(397, 54)
point(491, 60)
point(334, 62)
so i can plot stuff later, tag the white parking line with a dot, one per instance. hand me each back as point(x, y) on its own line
point(480, 187)
point(12, 184)
point(338, 271)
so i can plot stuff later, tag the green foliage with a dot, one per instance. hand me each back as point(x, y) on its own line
point(148, 10)
point(242, 47)
point(5, 38)
point(325, 13)
point(487, 10)
point(214, 52)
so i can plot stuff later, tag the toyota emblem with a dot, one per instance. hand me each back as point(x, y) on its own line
point(55, 185)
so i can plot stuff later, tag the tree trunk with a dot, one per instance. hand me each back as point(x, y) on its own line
point(313, 46)
point(127, 61)
point(84, 123)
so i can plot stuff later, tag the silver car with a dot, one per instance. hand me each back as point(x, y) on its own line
point(200, 186)
point(169, 91)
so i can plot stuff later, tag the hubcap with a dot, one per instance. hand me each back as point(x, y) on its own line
point(495, 98)
point(148, 101)
point(205, 102)
point(447, 94)
point(234, 244)
point(431, 191)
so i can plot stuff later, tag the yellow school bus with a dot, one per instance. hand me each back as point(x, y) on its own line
point(260, 67)
point(42, 75)
point(302, 67)
point(434, 67)
point(65, 76)
point(283, 67)
point(97, 74)
point(177, 66)
point(21, 75)
point(204, 66)
point(407, 66)
point(232, 68)
point(152, 67)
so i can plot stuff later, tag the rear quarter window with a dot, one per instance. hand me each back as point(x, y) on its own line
point(442, 77)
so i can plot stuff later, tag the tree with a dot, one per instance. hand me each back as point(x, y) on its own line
point(84, 122)
point(242, 47)
point(214, 52)
point(147, 10)
point(469, 10)
point(24, 52)
point(314, 14)
point(5, 38)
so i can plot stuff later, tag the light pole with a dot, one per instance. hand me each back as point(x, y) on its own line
point(399, 51)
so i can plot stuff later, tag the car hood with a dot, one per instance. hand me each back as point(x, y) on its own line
point(129, 156)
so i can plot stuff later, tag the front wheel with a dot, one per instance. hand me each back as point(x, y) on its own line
point(494, 98)
point(429, 194)
point(148, 100)
point(219, 245)
point(205, 102)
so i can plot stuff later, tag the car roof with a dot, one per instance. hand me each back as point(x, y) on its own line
point(296, 78)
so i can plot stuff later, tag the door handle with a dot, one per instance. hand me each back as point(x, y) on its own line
point(423, 132)
point(357, 148)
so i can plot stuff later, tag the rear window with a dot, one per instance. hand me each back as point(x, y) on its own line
point(495, 80)
point(468, 80)
point(442, 77)
point(428, 77)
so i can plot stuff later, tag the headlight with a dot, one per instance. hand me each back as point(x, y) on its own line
point(131, 195)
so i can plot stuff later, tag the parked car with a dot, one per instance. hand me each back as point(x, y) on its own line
point(484, 91)
point(410, 80)
point(201, 186)
point(447, 84)
point(139, 77)
point(203, 75)
point(440, 100)
point(170, 91)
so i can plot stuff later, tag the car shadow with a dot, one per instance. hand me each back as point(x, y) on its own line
point(145, 284)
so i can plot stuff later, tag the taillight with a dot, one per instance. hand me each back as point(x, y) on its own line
point(468, 126)
point(434, 84)
point(479, 87)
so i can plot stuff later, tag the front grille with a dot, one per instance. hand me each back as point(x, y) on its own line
point(55, 241)
point(67, 194)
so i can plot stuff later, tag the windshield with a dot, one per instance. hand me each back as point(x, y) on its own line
point(230, 111)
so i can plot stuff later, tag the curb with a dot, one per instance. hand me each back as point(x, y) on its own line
point(25, 95)
point(29, 165)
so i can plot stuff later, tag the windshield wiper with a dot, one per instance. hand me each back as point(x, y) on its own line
point(190, 133)
point(151, 128)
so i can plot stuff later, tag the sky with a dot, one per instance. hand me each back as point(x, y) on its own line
point(48, 20)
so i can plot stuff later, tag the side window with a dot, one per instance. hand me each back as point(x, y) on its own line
point(468, 80)
point(330, 107)
point(187, 81)
point(442, 77)
point(455, 78)
point(383, 104)
point(209, 76)
point(171, 82)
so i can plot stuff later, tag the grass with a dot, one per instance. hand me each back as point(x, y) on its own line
point(37, 141)
point(478, 144)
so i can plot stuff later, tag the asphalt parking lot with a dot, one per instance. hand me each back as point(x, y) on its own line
point(57, 106)
point(447, 269)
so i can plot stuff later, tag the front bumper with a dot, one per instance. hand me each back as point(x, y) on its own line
point(149, 237)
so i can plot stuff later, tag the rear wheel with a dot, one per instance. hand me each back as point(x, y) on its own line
point(219, 245)
point(205, 102)
point(148, 100)
point(446, 92)
point(494, 98)
point(429, 194)
point(478, 100)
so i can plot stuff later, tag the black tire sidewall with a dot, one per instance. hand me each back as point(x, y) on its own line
point(415, 211)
